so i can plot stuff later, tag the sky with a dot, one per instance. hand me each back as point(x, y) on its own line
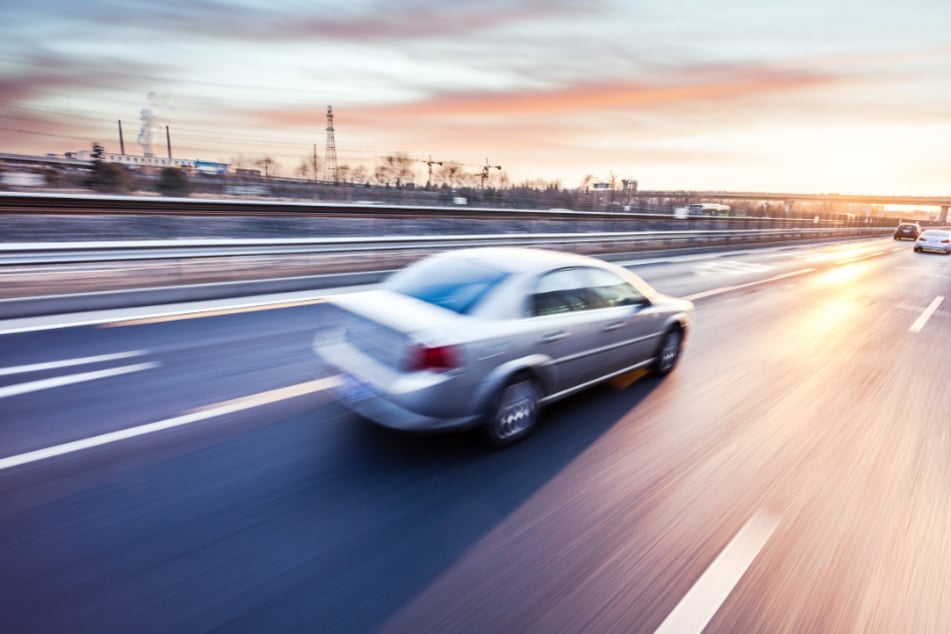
point(816, 96)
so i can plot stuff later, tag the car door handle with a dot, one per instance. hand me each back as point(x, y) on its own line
point(613, 327)
point(552, 337)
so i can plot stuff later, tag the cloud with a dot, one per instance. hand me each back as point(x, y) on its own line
point(45, 74)
point(366, 21)
point(692, 89)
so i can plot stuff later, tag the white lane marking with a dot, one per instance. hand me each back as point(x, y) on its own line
point(107, 316)
point(702, 601)
point(59, 381)
point(65, 363)
point(227, 407)
point(925, 316)
point(727, 267)
point(724, 289)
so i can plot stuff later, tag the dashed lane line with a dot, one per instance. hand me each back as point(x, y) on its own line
point(707, 595)
point(725, 289)
point(65, 363)
point(213, 411)
point(70, 379)
point(926, 315)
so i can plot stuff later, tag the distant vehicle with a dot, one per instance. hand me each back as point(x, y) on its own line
point(934, 240)
point(681, 213)
point(708, 209)
point(909, 230)
point(484, 337)
point(247, 190)
point(210, 168)
point(243, 171)
point(23, 179)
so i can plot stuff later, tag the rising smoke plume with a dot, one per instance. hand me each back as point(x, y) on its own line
point(153, 118)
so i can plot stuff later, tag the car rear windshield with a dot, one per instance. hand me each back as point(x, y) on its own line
point(453, 283)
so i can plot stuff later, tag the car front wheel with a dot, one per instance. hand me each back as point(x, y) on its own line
point(513, 413)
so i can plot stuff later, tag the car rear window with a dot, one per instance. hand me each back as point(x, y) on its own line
point(456, 284)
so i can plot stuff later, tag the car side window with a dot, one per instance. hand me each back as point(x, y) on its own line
point(612, 290)
point(561, 291)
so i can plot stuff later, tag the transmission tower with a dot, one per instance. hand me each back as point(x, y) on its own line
point(330, 156)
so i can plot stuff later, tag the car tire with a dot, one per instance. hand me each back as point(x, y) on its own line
point(668, 353)
point(917, 250)
point(513, 412)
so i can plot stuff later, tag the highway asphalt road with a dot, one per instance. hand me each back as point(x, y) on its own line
point(189, 473)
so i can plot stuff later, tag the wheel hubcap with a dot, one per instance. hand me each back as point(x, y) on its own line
point(668, 355)
point(516, 412)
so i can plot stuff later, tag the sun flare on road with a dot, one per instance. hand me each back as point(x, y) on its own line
point(842, 275)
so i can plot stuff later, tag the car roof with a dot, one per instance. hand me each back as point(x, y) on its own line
point(522, 259)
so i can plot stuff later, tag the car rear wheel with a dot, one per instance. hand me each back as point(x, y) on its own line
point(668, 353)
point(513, 412)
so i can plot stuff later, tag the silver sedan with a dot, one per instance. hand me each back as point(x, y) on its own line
point(487, 336)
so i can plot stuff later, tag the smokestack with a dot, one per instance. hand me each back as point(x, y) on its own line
point(168, 141)
point(121, 141)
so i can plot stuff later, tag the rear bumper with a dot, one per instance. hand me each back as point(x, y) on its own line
point(383, 411)
point(421, 402)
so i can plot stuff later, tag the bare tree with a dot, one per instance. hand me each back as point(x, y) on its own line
point(270, 166)
point(398, 168)
point(359, 174)
point(380, 175)
point(450, 173)
point(241, 161)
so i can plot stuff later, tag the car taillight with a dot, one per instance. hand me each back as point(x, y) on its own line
point(945, 241)
point(436, 359)
point(922, 239)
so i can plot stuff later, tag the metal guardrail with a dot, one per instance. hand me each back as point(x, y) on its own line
point(85, 203)
point(40, 253)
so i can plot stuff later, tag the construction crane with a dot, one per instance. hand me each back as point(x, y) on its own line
point(485, 171)
point(430, 163)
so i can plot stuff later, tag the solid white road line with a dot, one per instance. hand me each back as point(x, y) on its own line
point(59, 381)
point(925, 316)
point(724, 289)
point(702, 601)
point(228, 407)
point(19, 325)
point(65, 363)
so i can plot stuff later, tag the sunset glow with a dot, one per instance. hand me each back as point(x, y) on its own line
point(688, 95)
